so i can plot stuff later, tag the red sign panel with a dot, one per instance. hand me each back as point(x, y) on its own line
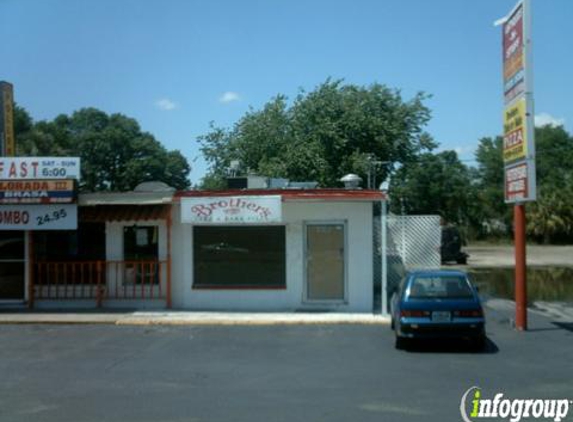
point(516, 183)
point(513, 56)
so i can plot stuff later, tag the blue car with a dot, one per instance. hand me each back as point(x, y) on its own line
point(437, 304)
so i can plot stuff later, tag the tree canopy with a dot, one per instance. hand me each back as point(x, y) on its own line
point(116, 155)
point(551, 216)
point(433, 184)
point(335, 129)
point(323, 134)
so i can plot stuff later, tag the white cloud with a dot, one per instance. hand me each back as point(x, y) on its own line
point(464, 150)
point(229, 97)
point(165, 104)
point(543, 119)
point(461, 150)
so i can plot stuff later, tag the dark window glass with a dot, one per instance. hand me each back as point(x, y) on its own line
point(140, 243)
point(239, 256)
point(12, 280)
point(440, 287)
point(12, 245)
point(87, 243)
point(140, 251)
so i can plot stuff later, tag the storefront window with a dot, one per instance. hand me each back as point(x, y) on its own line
point(87, 243)
point(12, 265)
point(239, 257)
point(140, 243)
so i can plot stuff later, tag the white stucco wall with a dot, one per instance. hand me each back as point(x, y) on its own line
point(358, 219)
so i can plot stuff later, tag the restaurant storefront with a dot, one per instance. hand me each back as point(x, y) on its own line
point(257, 250)
point(282, 250)
point(37, 195)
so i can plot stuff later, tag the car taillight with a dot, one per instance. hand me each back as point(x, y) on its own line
point(411, 313)
point(469, 313)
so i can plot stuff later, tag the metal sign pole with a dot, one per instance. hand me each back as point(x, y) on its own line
point(384, 284)
point(520, 267)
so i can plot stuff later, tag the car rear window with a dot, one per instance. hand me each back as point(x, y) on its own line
point(443, 287)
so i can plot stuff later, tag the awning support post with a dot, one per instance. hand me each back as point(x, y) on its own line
point(31, 288)
point(168, 289)
point(384, 284)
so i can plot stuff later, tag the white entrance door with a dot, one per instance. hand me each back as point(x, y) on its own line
point(325, 262)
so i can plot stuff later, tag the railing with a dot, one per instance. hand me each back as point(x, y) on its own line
point(100, 280)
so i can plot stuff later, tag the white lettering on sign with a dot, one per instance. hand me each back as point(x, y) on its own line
point(516, 187)
point(37, 191)
point(516, 173)
point(515, 19)
point(231, 210)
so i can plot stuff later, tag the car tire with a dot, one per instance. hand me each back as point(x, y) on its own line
point(400, 343)
point(462, 260)
point(479, 343)
point(392, 325)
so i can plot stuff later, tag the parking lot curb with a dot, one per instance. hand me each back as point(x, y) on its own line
point(198, 319)
point(249, 322)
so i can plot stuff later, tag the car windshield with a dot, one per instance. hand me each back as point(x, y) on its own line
point(443, 287)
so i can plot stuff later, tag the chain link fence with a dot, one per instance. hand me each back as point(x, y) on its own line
point(413, 242)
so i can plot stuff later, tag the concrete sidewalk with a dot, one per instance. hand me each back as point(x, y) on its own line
point(189, 318)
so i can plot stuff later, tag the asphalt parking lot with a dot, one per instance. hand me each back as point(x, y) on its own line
point(81, 373)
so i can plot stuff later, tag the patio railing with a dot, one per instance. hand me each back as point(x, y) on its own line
point(100, 280)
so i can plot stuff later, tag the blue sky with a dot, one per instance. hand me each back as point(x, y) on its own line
point(177, 65)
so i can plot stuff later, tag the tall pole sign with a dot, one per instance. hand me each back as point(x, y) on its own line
point(518, 138)
point(7, 144)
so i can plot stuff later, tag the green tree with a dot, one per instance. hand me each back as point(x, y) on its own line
point(433, 184)
point(550, 217)
point(323, 135)
point(491, 209)
point(116, 155)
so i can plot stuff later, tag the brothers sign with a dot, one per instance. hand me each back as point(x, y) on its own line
point(232, 210)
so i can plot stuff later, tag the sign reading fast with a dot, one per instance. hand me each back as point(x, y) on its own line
point(37, 191)
point(231, 210)
point(34, 168)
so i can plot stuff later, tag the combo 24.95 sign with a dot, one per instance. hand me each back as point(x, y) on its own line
point(34, 217)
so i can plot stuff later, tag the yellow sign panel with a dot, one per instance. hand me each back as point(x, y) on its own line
point(8, 118)
point(515, 132)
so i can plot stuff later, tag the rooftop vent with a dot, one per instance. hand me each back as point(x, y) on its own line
point(351, 181)
point(153, 187)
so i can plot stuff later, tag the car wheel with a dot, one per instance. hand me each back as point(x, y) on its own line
point(392, 326)
point(479, 343)
point(462, 261)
